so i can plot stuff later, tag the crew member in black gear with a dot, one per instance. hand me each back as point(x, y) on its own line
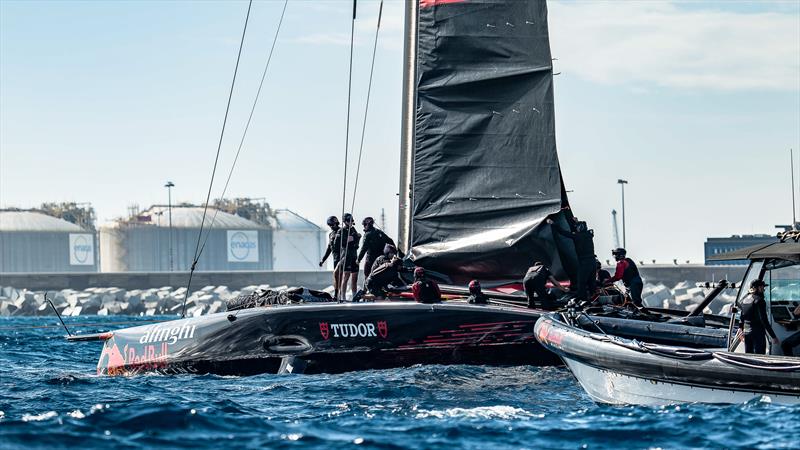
point(425, 290)
point(389, 252)
point(383, 275)
point(347, 241)
point(583, 239)
point(333, 249)
point(753, 321)
point(535, 286)
point(374, 242)
point(792, 341)
point(629, 274)
point(476, 296)
point(602, 275)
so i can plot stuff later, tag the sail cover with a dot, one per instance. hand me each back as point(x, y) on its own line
point(485, 170)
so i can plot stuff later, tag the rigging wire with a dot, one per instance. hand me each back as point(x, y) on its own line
point(247, 126)
point(344, 236)
point(366, 107)
point(216, 160)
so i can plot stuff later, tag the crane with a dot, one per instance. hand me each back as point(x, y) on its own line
point(615, 227)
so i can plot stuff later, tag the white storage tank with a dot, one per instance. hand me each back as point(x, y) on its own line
point(298, 244)
point(142, 243)
point(31, 241)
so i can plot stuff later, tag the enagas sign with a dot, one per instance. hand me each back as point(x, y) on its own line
point(242, 246)
point(81, 249)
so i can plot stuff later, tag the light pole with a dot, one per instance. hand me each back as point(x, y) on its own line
point(169, 187)
point(622, 184)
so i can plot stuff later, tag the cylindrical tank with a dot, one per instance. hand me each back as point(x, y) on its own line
point(147, 243)
point(34, 242)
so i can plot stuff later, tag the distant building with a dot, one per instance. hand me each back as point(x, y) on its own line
point(33, 241)
point(297, 243)
point(717, 246)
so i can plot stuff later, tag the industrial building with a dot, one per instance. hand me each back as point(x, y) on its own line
point(298, 244)
point(719, 245)
point(164, 238)
point(42, 241)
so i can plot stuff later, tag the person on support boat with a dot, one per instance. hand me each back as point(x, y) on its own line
point(476, 296)
point(629, 274)
point(347, 241)
point(375, 240)
point(382, 276)
point(792, 341)
point(333, 249)
point(753, 321)
point(583, 239)
point(424, 289)
point(535, 282)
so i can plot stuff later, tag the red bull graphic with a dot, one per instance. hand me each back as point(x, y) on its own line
point(132, 358)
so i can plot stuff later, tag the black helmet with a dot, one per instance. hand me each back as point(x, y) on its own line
point(368, 222)
point(757, 283)
point(347, 217)
point(389, 249)
point(332, 221)
point(619, 251)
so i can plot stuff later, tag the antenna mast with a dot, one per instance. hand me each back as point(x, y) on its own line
point(615, 227)
point(794, 203)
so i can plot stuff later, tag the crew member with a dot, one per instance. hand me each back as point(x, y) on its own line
point(333, 249)
point(583, 239)
point(375, 241)
point(792, 341)
point(389, 252)
point(534, 283)
point(425, 290)
point(384, 274)
point(629, 274)
point(476, 296)
point(753, 322)
point(602, 275)
point(347, 241)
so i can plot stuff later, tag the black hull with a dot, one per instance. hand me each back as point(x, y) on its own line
point(329, 338)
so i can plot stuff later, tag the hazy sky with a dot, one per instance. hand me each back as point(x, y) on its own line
point(695, 103)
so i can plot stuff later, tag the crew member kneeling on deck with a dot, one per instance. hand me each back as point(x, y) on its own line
point(476, 296)
point(382, 276)
point(425, 290)
point(535, 283)
point(753, 322)
point(629, 274)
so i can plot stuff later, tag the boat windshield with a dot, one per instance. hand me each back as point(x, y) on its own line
point(753, 272)
point(783, 278)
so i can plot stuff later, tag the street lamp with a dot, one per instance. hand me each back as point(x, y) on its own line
point(622, 184)
point(169, 187)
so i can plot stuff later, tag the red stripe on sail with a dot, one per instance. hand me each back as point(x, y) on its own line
point(432, 3)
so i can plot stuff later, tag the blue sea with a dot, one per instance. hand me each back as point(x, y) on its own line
point(50, 397)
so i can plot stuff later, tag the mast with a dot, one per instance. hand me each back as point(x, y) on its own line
point(405, 200)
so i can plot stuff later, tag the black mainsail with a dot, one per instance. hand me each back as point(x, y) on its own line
point(483, 173)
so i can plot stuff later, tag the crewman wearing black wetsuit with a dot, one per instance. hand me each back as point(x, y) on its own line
point(374, 242)
point(347, 241)
point(535, 282)
point(383, 275)
point(389, 252)
point(333, 249)
point(753, 321)
point(583, 239)
point(602, 275)
point(629, 274)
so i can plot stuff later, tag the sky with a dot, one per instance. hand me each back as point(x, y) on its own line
point(696, 104)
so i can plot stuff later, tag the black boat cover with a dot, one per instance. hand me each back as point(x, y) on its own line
point(486, 174)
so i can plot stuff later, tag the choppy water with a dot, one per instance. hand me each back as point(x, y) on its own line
point(50, 398)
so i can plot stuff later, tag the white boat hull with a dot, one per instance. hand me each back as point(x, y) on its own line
point(605, 386)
